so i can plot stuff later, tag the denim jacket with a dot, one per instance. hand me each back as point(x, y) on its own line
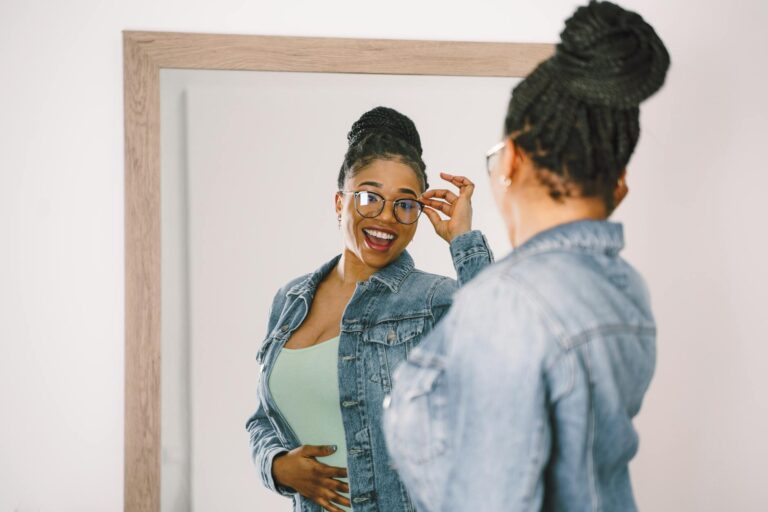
point(385, 319)
point(522, 398)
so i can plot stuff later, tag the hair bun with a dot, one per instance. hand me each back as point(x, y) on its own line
point(609, 56)
point(385, 120)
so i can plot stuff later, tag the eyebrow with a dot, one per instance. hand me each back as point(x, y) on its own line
point(379, 185)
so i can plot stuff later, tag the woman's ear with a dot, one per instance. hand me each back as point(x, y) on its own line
point(339, 203)
point(621, 190)
point(510, 161)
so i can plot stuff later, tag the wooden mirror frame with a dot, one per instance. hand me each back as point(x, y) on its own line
point(144, 55)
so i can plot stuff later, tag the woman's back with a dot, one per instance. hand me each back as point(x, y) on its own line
point(565, 311)
point(529, 386)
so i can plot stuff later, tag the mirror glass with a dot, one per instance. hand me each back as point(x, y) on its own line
point(249, 168)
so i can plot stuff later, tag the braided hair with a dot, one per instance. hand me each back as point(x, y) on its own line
point(383, 134)
point(577, 114)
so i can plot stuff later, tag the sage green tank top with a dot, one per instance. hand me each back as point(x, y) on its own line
point(304, 383)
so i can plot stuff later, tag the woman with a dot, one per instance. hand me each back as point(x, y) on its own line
point(334, 335)
point(523, 397)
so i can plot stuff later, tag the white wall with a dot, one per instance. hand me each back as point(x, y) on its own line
point(696, 210)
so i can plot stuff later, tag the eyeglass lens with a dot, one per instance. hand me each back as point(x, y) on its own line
point(370, 205)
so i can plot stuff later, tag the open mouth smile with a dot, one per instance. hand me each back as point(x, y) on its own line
point(379, 239)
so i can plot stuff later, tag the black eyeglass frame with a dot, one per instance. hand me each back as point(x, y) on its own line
point(383, 204)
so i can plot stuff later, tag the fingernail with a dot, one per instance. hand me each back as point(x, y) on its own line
point(334, 447)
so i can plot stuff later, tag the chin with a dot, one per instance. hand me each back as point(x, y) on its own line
point(378, 261)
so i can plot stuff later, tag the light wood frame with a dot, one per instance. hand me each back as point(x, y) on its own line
point(145, 54)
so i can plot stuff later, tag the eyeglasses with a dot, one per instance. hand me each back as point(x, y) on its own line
point(371, 204)
point(489, 156)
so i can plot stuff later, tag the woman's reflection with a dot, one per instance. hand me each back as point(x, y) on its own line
point(335, 335)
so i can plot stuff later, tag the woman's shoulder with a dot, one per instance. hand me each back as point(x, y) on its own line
point(293, 285)
point(434, 287)
point(298, 283)
point(420, 277)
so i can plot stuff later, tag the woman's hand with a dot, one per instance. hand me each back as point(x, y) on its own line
point(457, 208)
point(299, 470)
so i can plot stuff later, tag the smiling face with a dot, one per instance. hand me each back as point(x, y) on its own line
point(378, 241)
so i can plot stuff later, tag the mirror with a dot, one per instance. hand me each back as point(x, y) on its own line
point(249, 169)
point(230, 179)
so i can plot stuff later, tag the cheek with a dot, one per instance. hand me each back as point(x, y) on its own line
point(349, 215)
point(406, 235)
point(352, 227)
point(349, 223)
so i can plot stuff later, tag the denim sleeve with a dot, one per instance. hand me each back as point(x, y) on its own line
point(471, 254)
point(265, 446)
point(466, 422)
point(264, 443)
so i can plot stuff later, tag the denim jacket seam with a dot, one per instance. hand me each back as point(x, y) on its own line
point(593, 490)
point(540, 304)
point(431, 294)
point(460, 254)
point(463, 256)
point(530, 491)
point(277, 306)
point(568, 356)
point(414, 314)
point(587, 335)
point(397, 286)
point(480, 247)
point(433, 288)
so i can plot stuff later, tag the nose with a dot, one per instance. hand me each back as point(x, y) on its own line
point(388, 213)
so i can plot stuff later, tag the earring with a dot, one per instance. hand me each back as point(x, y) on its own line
point(505, 180)
point(339, 221)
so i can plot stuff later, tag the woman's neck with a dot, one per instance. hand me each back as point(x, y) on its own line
point(532, 218)
point(350, 269)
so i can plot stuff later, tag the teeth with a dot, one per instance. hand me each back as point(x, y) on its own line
point(380, 234)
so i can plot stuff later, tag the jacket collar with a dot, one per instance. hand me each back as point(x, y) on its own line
point(592, 235)
point(392, 276)
point(395, 273)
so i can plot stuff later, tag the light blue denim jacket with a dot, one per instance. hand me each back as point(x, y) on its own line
point(385, 319)
point(522, 398)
